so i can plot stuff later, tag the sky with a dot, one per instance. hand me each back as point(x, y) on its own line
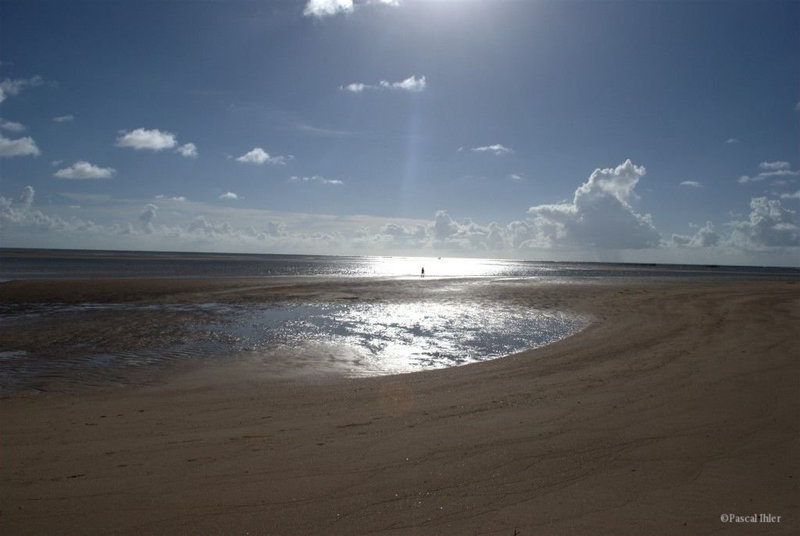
point(632, 131)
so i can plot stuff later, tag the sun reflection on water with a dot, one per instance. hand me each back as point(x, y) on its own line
point(437, 267)
point(391, 338)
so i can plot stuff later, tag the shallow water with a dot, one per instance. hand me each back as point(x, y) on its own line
point(76, 347)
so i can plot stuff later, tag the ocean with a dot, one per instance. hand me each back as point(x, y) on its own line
point(58, 346)
point(73, 264)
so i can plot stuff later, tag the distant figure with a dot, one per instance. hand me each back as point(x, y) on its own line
point(422, 274)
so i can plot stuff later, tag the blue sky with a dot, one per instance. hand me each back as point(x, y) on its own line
point(659, 131)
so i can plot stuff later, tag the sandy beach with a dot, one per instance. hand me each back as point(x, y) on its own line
point(678, 405)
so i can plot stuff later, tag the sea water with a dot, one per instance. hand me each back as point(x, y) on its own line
point(69, 264)
point(352, 339)
point(281, 341)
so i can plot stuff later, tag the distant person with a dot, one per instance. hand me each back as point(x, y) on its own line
point(422, 273)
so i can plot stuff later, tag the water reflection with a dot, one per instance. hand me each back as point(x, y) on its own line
point(79, 346)
point(439, 267)
point(377, 339)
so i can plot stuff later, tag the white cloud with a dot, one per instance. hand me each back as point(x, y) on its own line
point(229, 196)
point(769, 225)
point(319, 131)
point(730, 141)
point(355, 87)
point(770, 170)
point(84, 170)
point(705, 236)
point(151, 139)
point(327, 8)
point(797, 107)
point(19, 147)
point(516, 176)
point(147, 217)
point(691, 184)
point(163, 197)
point(412, 84)
point(599, 216)
point(64, 118)
point(795, 195)
point(11, 126)
point(317, 179)
point(259, 156)
point(188, 150)
point(496, 149)
point(13, 87)
point(772, 166)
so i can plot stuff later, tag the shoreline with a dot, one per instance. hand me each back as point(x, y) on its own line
point(676, 405)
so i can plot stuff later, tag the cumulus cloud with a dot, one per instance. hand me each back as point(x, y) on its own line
point(327, 8)
point(770, 170)
point(318, 179)
point(464, 235)
point(84, 170)
point(22, 214)
point(11, 126)
point(229, 196)
point(496, 149)
point(26, 198)
point(9, 148)
point(187, 150)
point(63, 118)
point(150, 139)
point(9, 87)
point(795, 195)
point(600, 214)
point(147, 217)
point(769, 225)
point(691, 184)
point(412, 84)
point(705, 236)
point(259, 156)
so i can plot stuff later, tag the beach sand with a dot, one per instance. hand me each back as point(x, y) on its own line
point(678, 404)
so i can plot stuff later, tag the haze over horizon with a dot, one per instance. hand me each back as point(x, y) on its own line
point(660, 131)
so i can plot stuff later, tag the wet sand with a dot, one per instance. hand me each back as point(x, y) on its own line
point(678, 404)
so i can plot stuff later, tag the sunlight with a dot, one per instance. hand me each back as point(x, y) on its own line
point(434, 267)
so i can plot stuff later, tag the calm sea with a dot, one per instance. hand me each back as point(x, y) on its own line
point(63, 264)
point(56, 346)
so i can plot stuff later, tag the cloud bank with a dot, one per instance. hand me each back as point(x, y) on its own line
point(601, 222)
